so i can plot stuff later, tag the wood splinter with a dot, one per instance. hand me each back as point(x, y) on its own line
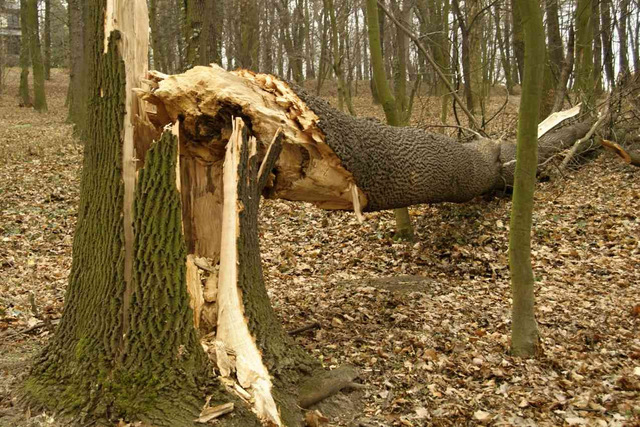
point(214, 412)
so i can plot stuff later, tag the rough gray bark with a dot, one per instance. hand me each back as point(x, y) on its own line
point(393, 167)
point(384, 160)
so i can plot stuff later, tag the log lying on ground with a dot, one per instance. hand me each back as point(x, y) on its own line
point(327, 153)
point(630, 157)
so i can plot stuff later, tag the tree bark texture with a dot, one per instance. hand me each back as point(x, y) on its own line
point(391, 166)
point(404, 229)
point(39, 97)
point(584, 53)
point(25, 58)
point(127, 346)
point(524, 330)
point(78, 68)
point(47, 39)
point(98, 364)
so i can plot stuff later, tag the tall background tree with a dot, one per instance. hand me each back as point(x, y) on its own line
point(39, 96)
point(524, 332)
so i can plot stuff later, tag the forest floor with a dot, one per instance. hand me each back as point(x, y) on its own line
point(427, 323)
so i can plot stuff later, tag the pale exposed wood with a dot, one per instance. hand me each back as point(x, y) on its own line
point(214, 412)
point(233, 329)
point(356, 203)
point(130, 19)
point(574, 149)
point(175, 130)
point(555, 119)
point(262, 171)
point(225, 364)
point(194, 287)
point(270, 104)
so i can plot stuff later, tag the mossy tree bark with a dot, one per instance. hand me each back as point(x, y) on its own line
point(127, 346)
point(39, 97)
point(25, 58)
point(404, 229)
point(524, 332)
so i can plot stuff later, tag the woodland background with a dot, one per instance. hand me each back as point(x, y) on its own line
point(432, 341)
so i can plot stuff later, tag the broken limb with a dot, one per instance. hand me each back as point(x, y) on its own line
point(325, 153)
point(630, 157)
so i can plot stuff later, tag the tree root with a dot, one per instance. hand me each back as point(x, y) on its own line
point(326, 385)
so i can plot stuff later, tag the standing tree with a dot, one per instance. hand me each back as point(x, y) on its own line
point(404, 229)
point(25, 59)
point(77, 91)
point(47, 39)
point(584, 53)
point(344, 95)
point(524, 330)
point(39, 97)
point(127, 346)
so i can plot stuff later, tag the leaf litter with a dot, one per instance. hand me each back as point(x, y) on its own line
point(427, 323)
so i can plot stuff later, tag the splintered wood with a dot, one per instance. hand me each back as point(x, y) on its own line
point(233, 329)
point(205, 98)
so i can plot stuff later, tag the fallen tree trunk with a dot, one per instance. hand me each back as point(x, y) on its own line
point(328, 157)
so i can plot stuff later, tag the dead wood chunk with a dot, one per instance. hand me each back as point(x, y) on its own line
point(211, 288)
point(632, 158)
point(209, 318)
point(322, 387)
point(214, 412)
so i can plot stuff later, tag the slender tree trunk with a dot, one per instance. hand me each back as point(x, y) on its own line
point(567, 68)
point(524, 331)
point(636, 48)
point(158, 58)
point(504, 55)
point(381, 31)
point(39, 97)
point(25, 58)
point(343, 95)
point(623, 35)
point(2, 57)
point(402, 12)
point(269, 25)
point(475, 21)
point(193, 17)
point(584, 53)
point(77, 88)
point(470, 28)
point(47, 39)
point(597, 48)
point(607, 30)
point(404, 229)
point(518, 41)
point(556, 51)
point(202, 31)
